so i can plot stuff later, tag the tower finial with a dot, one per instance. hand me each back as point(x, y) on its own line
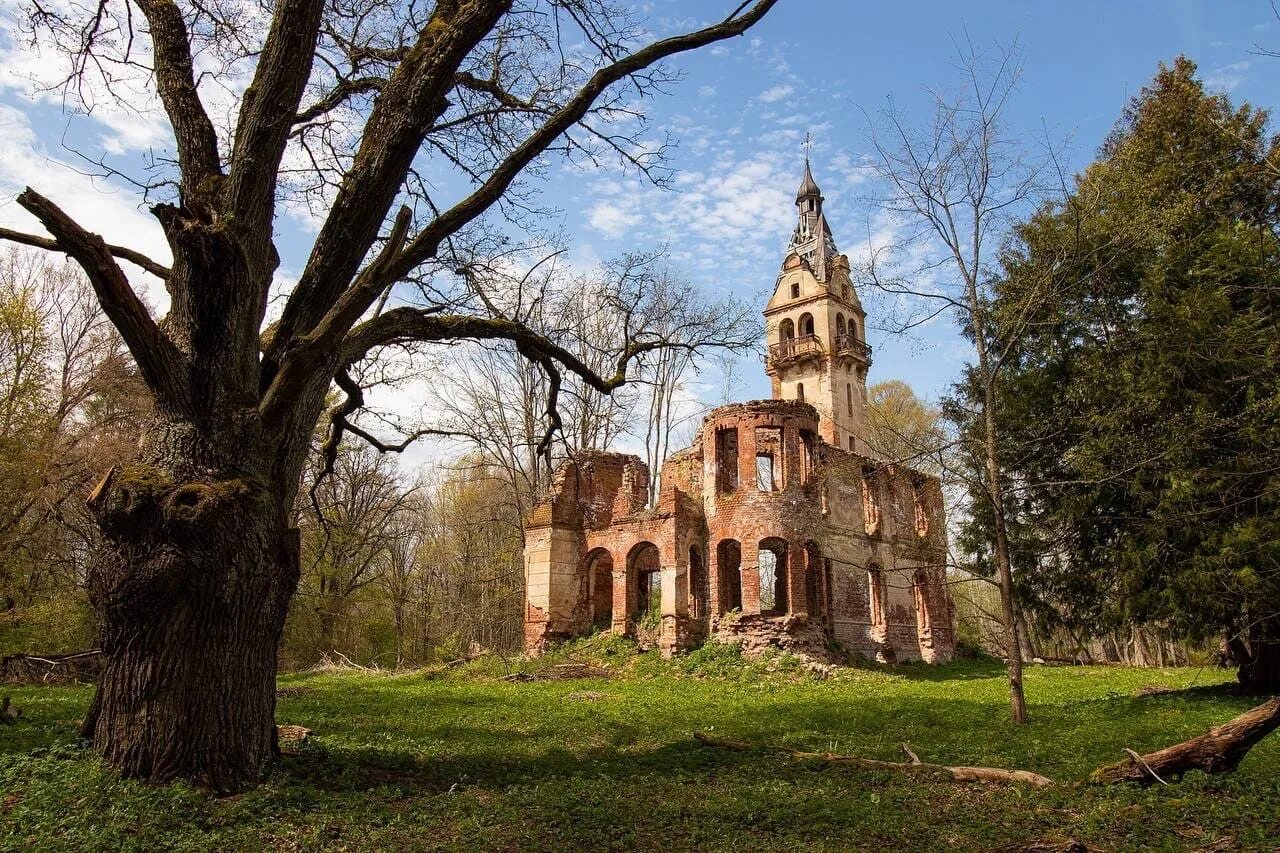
point(807, 145)
point(808, 186)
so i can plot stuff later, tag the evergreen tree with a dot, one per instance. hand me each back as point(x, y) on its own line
point(1142, 412)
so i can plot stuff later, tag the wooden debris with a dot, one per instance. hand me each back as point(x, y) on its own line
point(1219, 750)
point(68, 668)
point(957, 774)
point(561, 672)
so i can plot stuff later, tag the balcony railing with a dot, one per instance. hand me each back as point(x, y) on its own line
point(850, 344)
point(795, 348)
point(811, 345)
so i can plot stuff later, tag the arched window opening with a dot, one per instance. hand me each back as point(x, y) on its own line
point(729, 575)
point(786, 330)
point(699, 588)
point(644, 570)
point(806, 324)
point(600, 577)
point(800, 391)
point(875, 594)
point(773, 577)
point(840, 329)
point(920, 590)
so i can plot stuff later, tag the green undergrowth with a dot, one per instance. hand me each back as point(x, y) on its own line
point(504, 754)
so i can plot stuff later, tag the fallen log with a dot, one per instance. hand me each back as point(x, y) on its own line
point(52, 668)
point(957, 774)
point(1219, 750)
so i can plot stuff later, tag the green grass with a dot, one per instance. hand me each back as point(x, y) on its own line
point(464, 760)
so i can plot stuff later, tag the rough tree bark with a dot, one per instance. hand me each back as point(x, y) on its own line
point(198, 558)
point(1258, 661)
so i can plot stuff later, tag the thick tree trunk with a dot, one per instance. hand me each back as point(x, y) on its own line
point(191, 586)
point(1258, 664)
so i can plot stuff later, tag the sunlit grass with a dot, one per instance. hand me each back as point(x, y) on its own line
point(463, 759)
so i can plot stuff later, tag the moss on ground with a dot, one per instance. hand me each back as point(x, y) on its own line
point(462, 759)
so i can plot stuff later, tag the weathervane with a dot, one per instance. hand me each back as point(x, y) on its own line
point(807, 144)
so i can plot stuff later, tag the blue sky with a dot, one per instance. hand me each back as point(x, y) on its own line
point(744, 107)
point(739, 115)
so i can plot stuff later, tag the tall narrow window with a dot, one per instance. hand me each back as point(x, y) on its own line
point(870, 503)
point(848, 392)
point(921, 508)
point(800, 391)
point(795, 290)
point(875, 593)
point(807, 444)
point(727, 460)
point(920, 589)
point(768, 459)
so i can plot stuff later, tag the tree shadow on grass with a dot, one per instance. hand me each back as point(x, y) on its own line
point(960, 670)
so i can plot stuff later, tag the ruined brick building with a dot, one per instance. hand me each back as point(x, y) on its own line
point(778, 527)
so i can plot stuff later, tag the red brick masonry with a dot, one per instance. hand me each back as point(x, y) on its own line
point(851, 550)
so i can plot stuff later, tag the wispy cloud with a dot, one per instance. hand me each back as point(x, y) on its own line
point(1225, 78)
point(776, 93)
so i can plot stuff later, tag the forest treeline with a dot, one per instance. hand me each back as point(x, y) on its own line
point(1134, 318)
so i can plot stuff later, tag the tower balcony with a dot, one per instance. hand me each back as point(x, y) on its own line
point(810, 346)
point(795, 349)
point(853, 346)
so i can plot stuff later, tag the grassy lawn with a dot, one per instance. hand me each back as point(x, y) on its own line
point(465, 760)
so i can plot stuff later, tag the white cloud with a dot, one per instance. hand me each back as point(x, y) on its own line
point(97, 204)
point(776, 93)
point(612, 219)
point(1226, 77)
point(706, 91)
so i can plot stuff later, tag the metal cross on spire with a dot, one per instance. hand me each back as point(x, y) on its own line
point(807, 145)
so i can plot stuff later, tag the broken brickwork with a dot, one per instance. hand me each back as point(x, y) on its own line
point(762, 535)
point(777, 528)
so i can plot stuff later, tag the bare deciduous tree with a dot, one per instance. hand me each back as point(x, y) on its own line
point(955, 184)
point(354, 109)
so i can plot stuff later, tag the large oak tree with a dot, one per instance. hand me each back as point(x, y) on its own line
point(357, 107)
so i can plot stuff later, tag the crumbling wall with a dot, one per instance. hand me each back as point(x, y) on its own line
point(757, 474)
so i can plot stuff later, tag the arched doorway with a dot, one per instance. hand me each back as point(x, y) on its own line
point(644, 574)
point(786, 330)
point(773, 576)
point(729, 575)
point(600, 576)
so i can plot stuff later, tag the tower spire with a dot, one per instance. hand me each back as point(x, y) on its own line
point(812, 238)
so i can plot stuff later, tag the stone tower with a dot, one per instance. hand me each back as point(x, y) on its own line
point(816, 328)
